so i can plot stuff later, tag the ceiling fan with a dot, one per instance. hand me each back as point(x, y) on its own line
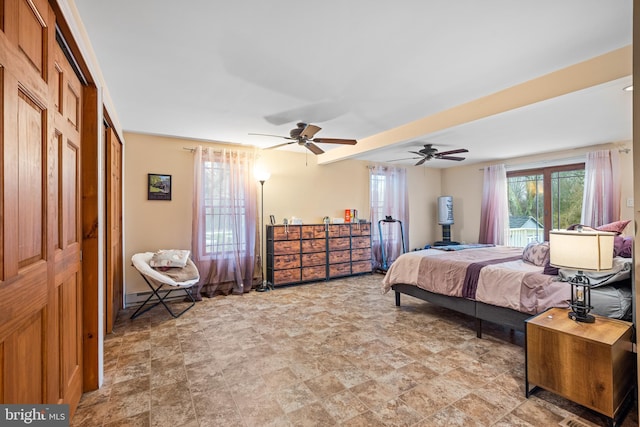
point(303, 135)
point(428, 153)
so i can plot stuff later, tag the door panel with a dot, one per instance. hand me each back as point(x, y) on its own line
point(113, 196)
point(70, 328)
point(31, 141)
point(40, 245)
point(23, 350)
point(68, 277)
point(32, 35)
point(69, 193)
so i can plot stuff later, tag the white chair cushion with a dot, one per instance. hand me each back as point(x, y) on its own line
point(141, 263)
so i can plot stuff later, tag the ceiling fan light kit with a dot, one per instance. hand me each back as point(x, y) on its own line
point(303, 135)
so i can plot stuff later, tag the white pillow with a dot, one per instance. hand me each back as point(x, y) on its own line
point(170, 258)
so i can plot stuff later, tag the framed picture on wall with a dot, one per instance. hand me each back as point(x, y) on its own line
point(159, 187)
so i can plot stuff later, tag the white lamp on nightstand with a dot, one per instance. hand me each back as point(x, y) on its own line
point(581, 250)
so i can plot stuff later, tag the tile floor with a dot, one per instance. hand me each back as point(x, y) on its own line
point(335, 353)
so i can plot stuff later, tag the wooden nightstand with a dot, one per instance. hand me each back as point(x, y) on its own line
point(591, 364)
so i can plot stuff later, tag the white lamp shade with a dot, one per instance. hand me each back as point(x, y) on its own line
point(581, 250)
point(261, 174)
point(445, 210)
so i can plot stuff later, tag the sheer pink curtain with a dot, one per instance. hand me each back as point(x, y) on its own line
point(388, 197)
point(224, 220)
point(494, 214)
point(601, 201)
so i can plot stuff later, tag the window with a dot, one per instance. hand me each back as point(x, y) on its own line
point(224, 208)
point(388, 197)
point(543, 199)
point(378, 185)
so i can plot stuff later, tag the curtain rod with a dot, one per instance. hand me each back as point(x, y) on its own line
point(567, 160)
point(384, 167)
point(192, 149)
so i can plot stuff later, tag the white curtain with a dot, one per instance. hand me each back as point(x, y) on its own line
point(602, 194)
point(388, 197)
point(224, 220)
point(494, 214)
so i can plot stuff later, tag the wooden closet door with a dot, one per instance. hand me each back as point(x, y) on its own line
point(113, 196)
point(40, 286)
point(67, 95)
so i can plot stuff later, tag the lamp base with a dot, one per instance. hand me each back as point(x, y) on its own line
point(265, 286)
point(579, 317)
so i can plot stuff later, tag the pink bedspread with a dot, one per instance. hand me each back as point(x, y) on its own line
point(513, 284)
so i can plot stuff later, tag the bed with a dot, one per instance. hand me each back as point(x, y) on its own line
point(500, 284)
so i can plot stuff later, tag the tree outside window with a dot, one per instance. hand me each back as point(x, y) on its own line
point(543, 199)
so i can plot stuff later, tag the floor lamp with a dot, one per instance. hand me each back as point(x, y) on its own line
point(264, 286)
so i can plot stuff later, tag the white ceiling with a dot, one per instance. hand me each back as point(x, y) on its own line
point(219, 70)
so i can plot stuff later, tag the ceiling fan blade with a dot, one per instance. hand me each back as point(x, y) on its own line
point(266, 134)
point(314, 148)
point(416, 153)
point(445, 153)
point(335, 141)
point(279, 145)
point(406, 158)
point(309, 131)
point(450, 158)
point(421, 161)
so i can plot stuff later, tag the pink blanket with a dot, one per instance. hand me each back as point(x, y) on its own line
point(511, 283)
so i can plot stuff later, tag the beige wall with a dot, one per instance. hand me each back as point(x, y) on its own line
point(464, 184)
point(298, 187)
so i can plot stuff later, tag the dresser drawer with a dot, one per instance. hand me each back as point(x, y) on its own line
point(290, 232)
point(318, 258)
point(360, 254)
point(286, 247)
point(314, 245)
point(339, 243)
point(361, 230)
point(314, 231)
point(361, 267)
point(336, 257)
point(336, 270)
point(281, 262)
point(282, 277)
point(314, 273)
point(340, 230)
point(361, 242)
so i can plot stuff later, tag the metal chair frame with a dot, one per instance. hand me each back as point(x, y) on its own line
point(155, 292)
point(156, 281)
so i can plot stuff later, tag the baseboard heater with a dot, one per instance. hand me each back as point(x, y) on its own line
point(133, 300)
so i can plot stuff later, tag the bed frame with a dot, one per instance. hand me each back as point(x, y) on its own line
point(476, 309)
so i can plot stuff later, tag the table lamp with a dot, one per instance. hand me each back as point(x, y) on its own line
point(581, 250)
